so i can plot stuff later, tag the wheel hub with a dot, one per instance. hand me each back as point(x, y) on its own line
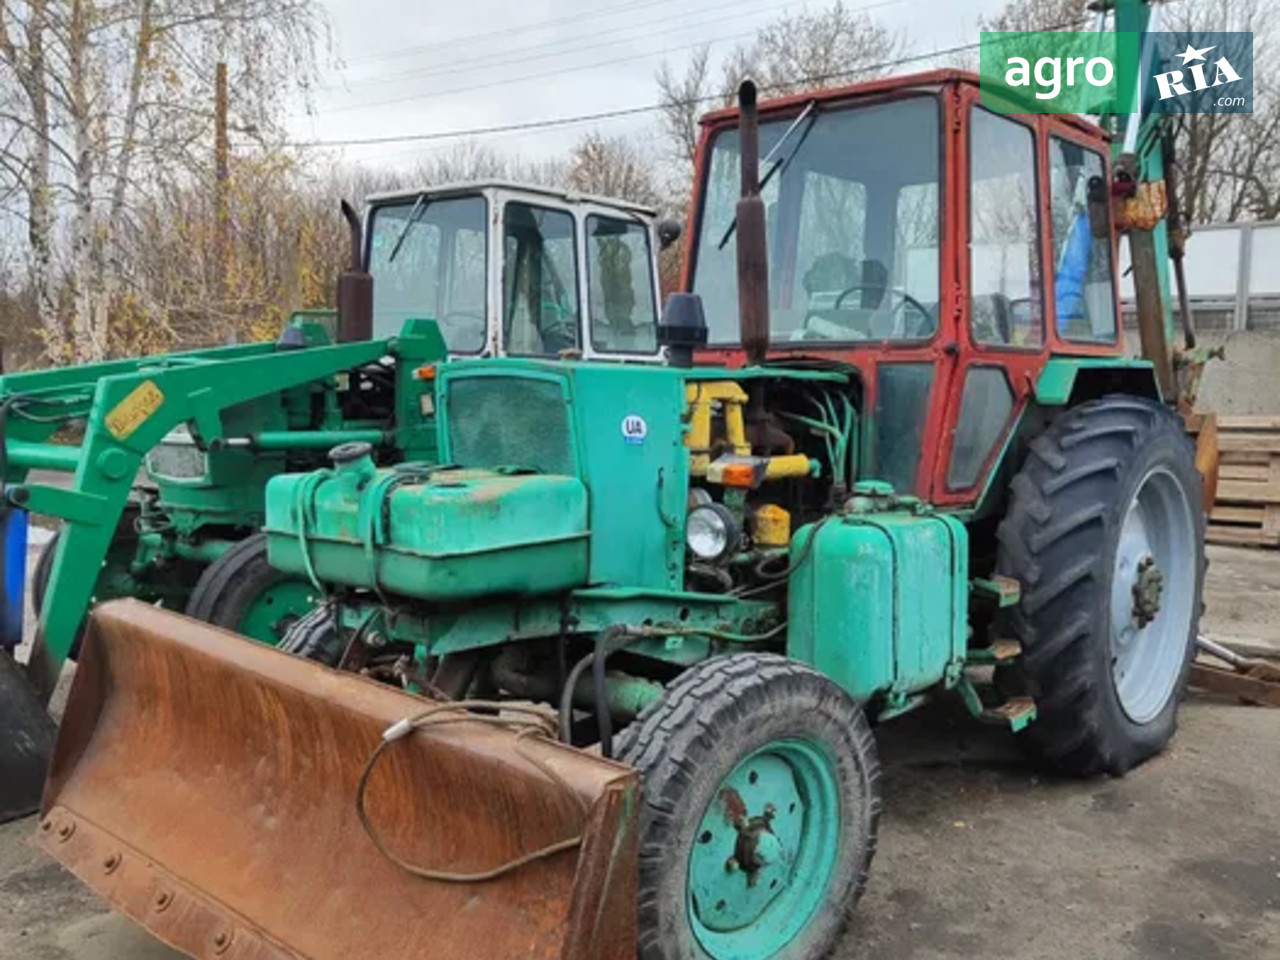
point(745, 846)
point(1153, 593)
point(1148, 586)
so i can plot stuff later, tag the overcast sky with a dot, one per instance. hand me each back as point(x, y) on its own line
point(412, 67)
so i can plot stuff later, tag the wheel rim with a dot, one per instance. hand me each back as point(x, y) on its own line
point(1152, 595)
point(764, 851)
point(269, 616)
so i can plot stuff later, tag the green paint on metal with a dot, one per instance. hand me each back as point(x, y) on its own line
point(433, 535)
point(43, 456)
point(1005, 591)
point(313, 439)
point(881, 602)
point(764, 851)
point(1056, 380)
point(873, 488)
point(897, 704)
point(218, 391)
point(273, 610)
point(969, 694)
point(769, 373)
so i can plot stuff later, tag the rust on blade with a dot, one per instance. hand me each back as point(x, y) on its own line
point(205, 786)
point(1204, 428)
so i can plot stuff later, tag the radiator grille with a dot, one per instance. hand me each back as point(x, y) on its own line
point(510, 422)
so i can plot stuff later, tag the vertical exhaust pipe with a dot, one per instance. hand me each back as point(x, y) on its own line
point(355, 287)
point(753, 254)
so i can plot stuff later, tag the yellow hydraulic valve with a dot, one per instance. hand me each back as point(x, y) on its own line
point(772, 526)
point(701, 398)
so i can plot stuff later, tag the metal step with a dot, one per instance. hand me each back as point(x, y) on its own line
point(1005, 591)
point(1017, 713)
point(1002, 651)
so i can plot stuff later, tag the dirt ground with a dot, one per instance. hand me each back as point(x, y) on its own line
point(979, 857)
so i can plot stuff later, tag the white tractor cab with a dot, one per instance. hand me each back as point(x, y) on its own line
point(509, 269)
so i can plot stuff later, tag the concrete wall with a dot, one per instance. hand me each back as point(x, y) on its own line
point(1247, 381)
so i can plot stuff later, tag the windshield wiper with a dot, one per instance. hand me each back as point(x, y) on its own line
point(419, 208)
point(809, 113)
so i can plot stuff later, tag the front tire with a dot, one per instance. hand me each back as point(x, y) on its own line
point(242, 592)
point(761, 803)
point(1105, 533)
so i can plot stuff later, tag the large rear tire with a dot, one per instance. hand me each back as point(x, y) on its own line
point(242, 592)
point(761, 802)
point(1105, 533)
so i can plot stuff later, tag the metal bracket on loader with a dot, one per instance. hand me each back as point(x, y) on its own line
point(129, 407)
point(130, 413)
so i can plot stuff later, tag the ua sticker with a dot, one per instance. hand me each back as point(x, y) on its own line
point(634, 429)
point(134, 410)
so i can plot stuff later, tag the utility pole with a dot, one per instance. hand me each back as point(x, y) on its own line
point(221, 186)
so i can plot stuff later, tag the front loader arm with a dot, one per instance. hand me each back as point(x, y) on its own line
point(129, 413)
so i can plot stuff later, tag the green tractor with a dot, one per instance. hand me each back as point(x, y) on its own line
point(566, 274)
point(163, 499)
point(591, 667)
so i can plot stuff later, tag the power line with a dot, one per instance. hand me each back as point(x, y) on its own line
point(396, 54)
point(587, 42)
point(543, 75)
point(560, 71)
point(579, 119)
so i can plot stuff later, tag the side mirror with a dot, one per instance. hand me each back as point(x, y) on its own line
point(669, 232)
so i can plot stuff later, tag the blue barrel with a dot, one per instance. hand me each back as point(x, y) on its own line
point(14, 525)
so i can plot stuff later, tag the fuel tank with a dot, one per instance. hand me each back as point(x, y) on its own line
point(879, 604)
point(437, 535)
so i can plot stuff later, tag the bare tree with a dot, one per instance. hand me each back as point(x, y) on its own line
point(612, 167)
point(815, 50)
point(683, 99)
point(1033, 16)
point(102, 97)
point(809, 50)
point(1230, 163)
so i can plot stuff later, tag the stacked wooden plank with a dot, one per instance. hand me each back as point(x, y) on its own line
point(1247, 509)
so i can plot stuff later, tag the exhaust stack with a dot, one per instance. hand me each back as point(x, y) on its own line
point(753, 255)
point(355, 287)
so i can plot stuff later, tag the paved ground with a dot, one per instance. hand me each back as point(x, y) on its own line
point(978, 856)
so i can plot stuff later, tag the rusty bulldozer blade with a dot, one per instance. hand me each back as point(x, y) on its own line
point(1203, 427)
point(205, 785)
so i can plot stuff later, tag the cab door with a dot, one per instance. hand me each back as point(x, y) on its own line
point(539, 293)
point(620, 284)
point(1001, 267)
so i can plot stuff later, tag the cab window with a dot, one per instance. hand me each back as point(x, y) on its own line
point(539, 281)
point(623, 303)
point(1005, 306)
point(852, 210)
point(1083, 280)
point(428, 261)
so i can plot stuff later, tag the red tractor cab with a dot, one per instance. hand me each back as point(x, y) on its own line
point(945, 251)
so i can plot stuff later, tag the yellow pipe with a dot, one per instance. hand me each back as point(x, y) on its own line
point(795, 465)
point(701, 397)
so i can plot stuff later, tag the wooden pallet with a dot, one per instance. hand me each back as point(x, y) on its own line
point(1247, 509)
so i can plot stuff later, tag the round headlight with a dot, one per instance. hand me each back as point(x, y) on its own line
point(711, 532)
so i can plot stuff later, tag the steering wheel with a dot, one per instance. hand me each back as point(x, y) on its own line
point(472, 326)
point(899, 319)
